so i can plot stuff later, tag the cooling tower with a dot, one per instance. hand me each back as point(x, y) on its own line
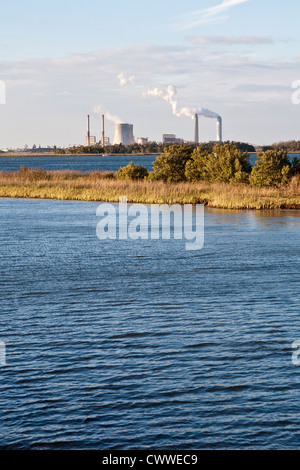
point(123, 134)
point(131, 136)
point(219, 130)
point(196, 129)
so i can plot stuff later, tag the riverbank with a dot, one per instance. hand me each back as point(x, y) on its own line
point(95, 186)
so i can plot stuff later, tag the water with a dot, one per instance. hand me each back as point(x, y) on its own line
point(143, 345)
point(83, 162)
point(80, 162)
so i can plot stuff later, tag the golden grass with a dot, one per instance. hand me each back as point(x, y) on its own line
point(95, 186)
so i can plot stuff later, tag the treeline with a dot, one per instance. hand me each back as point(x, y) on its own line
point(291, 146)
point(147, 148)
point(226, 163)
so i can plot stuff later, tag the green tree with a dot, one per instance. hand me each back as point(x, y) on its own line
point(271, 169)
point(170, 166)
point(132, 172)
point(225, 164)
point(195, 169)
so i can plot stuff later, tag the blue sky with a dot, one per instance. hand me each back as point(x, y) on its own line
point(61, 60)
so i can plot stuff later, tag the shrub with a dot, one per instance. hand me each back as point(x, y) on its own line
point(226, 164)
point(195, 169)
point(271, 169)
point(170, 166)
point(132, 172)
point(108, 176)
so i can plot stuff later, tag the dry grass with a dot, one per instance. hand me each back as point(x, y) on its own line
point(95, 186)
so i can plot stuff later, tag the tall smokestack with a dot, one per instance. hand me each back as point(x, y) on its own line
point(88, 137)
point(103, 133)
point(219, 130)
point(196, 129)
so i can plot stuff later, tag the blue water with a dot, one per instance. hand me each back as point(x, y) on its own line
point(82, 162)
point(142, 344)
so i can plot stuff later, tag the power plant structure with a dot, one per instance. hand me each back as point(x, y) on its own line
point(103, 131)
point(90, 139)
point(124, 134)
point(219, 129)
point(196, 129)
point(88, 136)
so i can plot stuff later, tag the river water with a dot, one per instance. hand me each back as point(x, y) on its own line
point(144, 345)
point(83, 162)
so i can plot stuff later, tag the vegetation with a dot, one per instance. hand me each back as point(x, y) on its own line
point(96, 186)
point(271, 169)
point(134, 149)
point(226, 164)
point(132, 172)
point(170, 166)
point(221, 177)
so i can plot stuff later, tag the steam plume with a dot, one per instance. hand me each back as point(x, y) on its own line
point(125, 80)
point(169, 94)
point(110, 117)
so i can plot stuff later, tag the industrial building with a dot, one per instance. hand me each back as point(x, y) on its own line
point(142, 140)
point(171, 138)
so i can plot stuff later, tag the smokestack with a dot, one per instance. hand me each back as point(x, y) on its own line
point(219, 130)
point(103, 133)
point(196, 129)
point(88, 138)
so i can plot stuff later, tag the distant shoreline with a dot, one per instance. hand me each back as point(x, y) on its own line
point(28, 154)
point(39, 155)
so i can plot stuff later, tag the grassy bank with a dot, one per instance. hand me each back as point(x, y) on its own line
point(95, 186)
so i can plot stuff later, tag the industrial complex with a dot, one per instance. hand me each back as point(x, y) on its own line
point(124, 134)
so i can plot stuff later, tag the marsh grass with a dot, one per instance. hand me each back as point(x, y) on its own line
point(101, 186)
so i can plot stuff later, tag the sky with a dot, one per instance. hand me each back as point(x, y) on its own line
point(62, 60)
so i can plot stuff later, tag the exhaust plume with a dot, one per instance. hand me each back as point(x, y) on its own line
point(110, 117)
point(169, 94)
point(125, 80)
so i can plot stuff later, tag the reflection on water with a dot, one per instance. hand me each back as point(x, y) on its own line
point(142, 344)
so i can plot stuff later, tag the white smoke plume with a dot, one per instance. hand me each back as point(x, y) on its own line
point(169, 94)
point(125, 80)
point(110, 117)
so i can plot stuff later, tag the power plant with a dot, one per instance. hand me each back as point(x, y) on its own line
point(219, 129)
point(123, 134)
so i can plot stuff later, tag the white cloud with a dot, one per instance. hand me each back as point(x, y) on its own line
point(212, 14)
point(48, 99)
point(230, 40)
